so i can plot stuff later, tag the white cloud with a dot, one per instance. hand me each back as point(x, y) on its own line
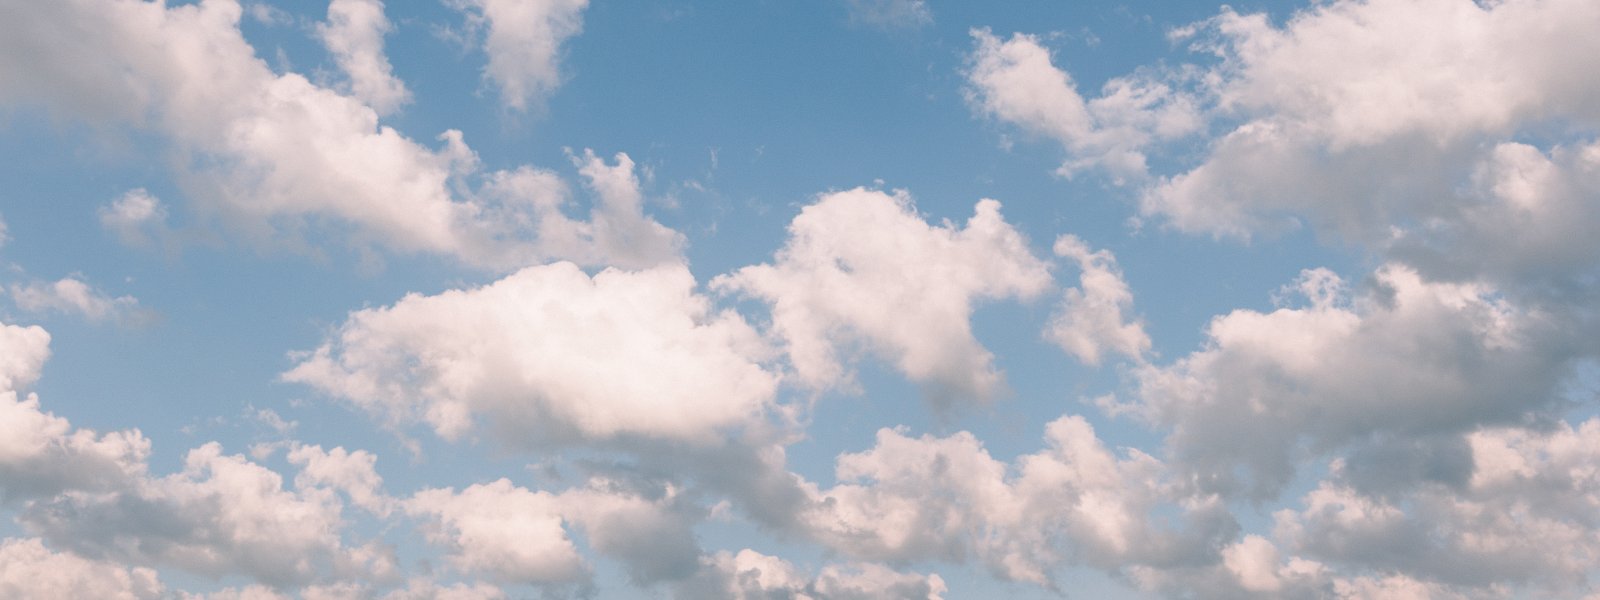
point(353, 473)
point(137, 218)
point(30, 571)
point(1091, 319)
point(506, 532)
point(862, 267)
point(23, 352)
point(1405, 356)
point(891, 13)
point(523, 43)
point(1015, 81)
point(71, 295)
point(909, 499)
point(221, 515)
point(750, 575)
point(549, 355)
point(1362, 115)
point(354, 35)
point(275, 156)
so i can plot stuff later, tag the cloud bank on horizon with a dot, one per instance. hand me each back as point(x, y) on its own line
point(550, 298)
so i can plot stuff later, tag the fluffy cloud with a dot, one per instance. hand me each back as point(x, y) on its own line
point(1016, 82)
point(1405, 356)
point(550, 355)
point(354, 35)
point(861, 267)
point(516, 535)
point(41, 454)
point(1090, 320)
point(277, 155)
point(523, 43)
point(750, 575)
point(1362, 115)
point(221, 515)
point(73, 296)
point(947, 499)
point(29, 570)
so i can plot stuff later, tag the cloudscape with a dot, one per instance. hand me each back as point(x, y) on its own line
point(820, 299)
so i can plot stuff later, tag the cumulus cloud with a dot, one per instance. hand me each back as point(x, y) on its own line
point(750, 575)
point(1404, 356)
point(1091, 319)
point(30, 570)
point(275, 155)
point(1361, 115)
point(1016, 81)
point(221, 515)
point(72, 295)
point(523, 43)
point(550, 355)
point(1075, 502)
point(354, 34)
point(862, 269)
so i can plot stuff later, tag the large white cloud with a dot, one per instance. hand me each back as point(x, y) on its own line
point(550, 355)
point(523, 43)
point(1076, 502)
point(30, 571)
point(1403, 356)
point(862, 269)
point(276, 155)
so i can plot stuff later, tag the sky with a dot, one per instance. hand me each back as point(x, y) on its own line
point(799, 299)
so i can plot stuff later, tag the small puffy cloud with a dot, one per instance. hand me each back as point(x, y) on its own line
point(354, 34)
point(137, 218)
point(1091, 319)
point(1015, 81)
point(523, 42)
point(1075, 502)
point(890, 13)
point(29, 571)
point(73, 296)
point(550, 355)
point(1405, 356)
point(750, 575)
point(862, 269)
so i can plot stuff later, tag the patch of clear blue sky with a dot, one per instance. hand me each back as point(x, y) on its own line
point(741, 112)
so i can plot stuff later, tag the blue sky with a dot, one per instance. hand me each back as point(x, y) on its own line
point(830, 299)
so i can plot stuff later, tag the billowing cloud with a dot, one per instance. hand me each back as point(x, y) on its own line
point(1402, 356)
point(862, 269)
point(523, 42)
point(275, 155)
point(550, 355)
point(1076, 502)
point(30, 570)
